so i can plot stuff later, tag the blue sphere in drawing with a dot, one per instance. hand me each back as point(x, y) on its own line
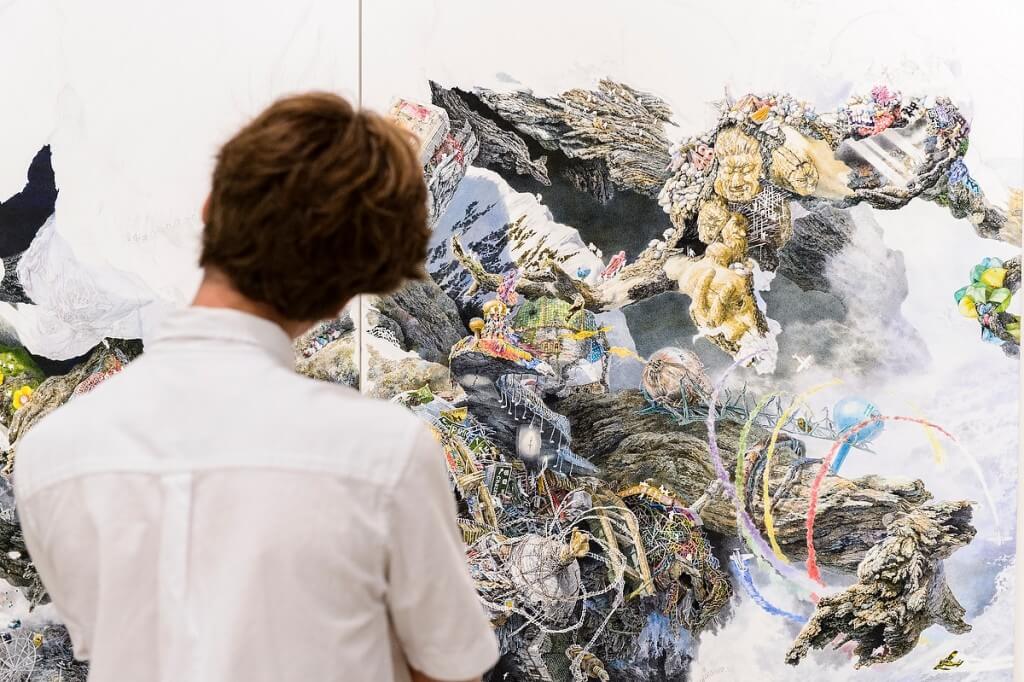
point(851, 411)
point(846, 414)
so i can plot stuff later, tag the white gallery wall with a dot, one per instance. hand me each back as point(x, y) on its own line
point(135, 99)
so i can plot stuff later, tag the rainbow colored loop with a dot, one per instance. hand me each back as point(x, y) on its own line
point(747, 528)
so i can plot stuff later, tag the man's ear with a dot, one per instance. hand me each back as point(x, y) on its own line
point(206, 210)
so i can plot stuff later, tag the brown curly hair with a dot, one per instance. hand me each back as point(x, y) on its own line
point(315, 202)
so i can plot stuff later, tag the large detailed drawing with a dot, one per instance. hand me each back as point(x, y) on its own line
point(611, 521)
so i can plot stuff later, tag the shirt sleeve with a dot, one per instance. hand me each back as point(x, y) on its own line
point(432, 601)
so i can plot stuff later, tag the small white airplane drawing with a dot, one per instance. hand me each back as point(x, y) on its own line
point(803, 362)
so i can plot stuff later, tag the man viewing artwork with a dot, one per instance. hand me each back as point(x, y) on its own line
point(210, 515)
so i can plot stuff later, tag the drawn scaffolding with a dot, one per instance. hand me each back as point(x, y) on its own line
point(737, 406)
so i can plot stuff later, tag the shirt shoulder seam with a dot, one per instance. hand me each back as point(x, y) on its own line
point(107, 465)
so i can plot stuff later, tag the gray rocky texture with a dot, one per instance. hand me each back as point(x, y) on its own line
point(988, 221)
point(546, 280)
point(997, 225)
point(900, 591)
point(15, 564)
point(11, 288)
point(422, 317)
point(998, 325)
point(817, 236)
point(1012, 280)
point(605, 139)
point(499, 148)
point(619, 128)
point(387, 378)
point(476, 372)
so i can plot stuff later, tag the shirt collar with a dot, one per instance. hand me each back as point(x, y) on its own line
point(197, 323)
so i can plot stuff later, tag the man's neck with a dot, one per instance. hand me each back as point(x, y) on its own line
point(217, 291)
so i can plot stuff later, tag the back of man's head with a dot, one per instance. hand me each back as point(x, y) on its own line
point(313, 203)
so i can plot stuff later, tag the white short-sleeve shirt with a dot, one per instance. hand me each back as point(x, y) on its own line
point(208, 515)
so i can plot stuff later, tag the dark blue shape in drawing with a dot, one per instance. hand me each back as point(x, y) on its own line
point(21, 218)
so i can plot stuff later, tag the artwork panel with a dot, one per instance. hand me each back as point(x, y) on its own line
point(113, 116)
point(727, 278)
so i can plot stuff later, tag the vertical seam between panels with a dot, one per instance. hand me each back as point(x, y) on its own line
point(360, 350)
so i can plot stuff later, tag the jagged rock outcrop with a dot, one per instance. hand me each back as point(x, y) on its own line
point(600, 140)
point(900, 592)
point(446, 169)
point(21, 218)
point(422, 318)
point(502, 229)
point(499, 148)
point(817, 237)
point(541, 280)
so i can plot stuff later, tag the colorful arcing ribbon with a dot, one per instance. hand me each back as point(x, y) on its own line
point(741, 450)
point(766, 500)
point(812, 507)
point(936, 446)
point(741, 457)
point(748, 583)
point(784, 569)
